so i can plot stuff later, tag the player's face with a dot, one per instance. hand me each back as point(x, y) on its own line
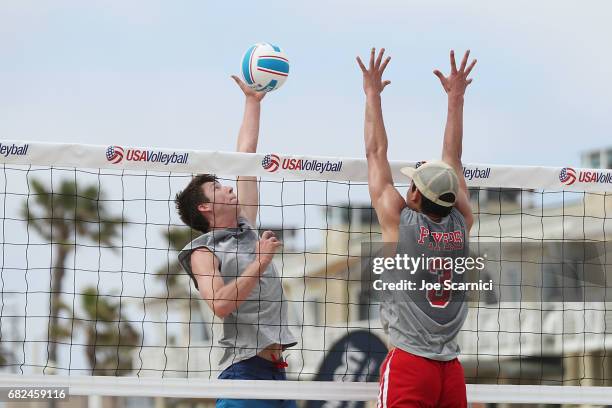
point(412, 197)
point(221, 197)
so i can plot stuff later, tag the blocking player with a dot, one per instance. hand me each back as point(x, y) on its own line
point(232, 268)
point(433, 220)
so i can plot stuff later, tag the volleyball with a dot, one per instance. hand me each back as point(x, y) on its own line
point(264, 67)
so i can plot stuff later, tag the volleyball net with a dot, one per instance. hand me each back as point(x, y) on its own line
point(90, 284)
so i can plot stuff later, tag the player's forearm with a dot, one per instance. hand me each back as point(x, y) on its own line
point(249, 130)
point(453, 134)
point(375, 135)
point(233, 294)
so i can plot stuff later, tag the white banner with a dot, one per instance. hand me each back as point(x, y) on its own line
point(286, 166)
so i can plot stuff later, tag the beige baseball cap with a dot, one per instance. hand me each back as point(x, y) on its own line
point(434, 179)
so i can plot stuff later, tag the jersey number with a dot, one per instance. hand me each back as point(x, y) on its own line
point(440, 298)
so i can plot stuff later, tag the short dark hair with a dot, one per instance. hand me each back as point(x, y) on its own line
point(429, 207)
point(187, 202)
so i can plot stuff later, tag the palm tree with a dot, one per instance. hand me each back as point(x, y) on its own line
point(61, 217)
point(110, 337)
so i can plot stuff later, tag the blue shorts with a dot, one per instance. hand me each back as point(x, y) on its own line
point(255, 368)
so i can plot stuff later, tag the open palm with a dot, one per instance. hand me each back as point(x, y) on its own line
point(372, 76)
point(457, 81)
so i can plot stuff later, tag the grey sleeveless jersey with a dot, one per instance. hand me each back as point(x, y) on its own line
point(259, 321)
point(426, 322)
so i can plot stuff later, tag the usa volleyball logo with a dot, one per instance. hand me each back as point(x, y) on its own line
point(567, 176)
point(114, 154)
point(270, 162)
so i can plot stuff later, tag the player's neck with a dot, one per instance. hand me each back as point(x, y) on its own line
point(414, 206)
point(434, 218)
point(227, 220)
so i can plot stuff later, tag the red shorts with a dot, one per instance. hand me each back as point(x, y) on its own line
point(408, 381)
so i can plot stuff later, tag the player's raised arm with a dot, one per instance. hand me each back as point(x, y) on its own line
point(455, 85)
point(387, 201)
point(246, 186)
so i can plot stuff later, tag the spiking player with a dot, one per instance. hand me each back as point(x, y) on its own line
point(422, 369)
point(232, 268)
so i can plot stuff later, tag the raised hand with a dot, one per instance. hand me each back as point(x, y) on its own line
point(248, 92)
point(456, 83)
point(373, 83)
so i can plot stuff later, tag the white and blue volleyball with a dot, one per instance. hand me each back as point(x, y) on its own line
point(265, 67)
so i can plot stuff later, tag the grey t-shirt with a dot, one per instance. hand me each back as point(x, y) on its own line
point(259, 321)
point(421, 322)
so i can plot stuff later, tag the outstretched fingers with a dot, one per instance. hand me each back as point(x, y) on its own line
point(384, 64)
point(464, 60)
point(470, 67)
point(457, 80)
point(376, 62)
point(441, 77)
point(363, 68)
point(452, 62)
point(372, 75)
point(379, 58)
point(372, 55)
point(238, 81)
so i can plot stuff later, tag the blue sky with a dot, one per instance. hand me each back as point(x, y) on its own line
point(153, 73)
